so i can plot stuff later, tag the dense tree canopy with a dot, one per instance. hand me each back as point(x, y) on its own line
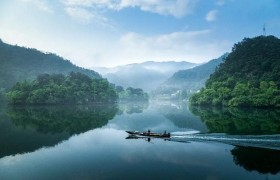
point(250, 76)
point(76, 88)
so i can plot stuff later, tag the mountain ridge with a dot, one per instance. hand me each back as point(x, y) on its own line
point(106, 70)
point(146, 75)
point(21, 63)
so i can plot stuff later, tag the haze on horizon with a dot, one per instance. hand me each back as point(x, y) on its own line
point(109, 33)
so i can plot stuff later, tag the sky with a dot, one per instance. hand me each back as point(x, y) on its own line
point(108, 33)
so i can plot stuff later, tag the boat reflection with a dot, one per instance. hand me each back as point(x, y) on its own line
point(148, 139)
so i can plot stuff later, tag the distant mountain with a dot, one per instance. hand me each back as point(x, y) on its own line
point(191, 79)
point(147, 75)
point(20, 63)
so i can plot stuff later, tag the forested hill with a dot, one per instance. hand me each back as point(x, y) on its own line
point(20, 63)
point(250, 76)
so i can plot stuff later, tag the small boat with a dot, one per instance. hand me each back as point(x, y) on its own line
point(149, 134)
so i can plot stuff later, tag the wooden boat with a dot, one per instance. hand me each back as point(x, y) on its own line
point(149, 134)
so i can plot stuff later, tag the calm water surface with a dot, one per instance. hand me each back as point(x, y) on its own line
point(90, 142)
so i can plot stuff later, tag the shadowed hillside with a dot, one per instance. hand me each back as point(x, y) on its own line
point(20, 63)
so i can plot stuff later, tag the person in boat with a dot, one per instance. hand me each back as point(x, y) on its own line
point(149, 132)
point(166, 134)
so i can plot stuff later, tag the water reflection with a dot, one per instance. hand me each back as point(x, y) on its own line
point(156, 116)
point(25, 129)
point(257, 159)
point(179, 114)
point(57, 119)
point(105, 153)
point(132, 107)
point(239, 121)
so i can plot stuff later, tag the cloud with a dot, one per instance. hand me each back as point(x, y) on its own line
point(40, 4)
point(93, 11)
point(87, 16)
point(221, 2)
point(192, 46)
point(176, 8)
point(79, 13)
point(211, 15)
point(84, 15)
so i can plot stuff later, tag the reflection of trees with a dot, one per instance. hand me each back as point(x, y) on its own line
point(261, 160)
point(133, 107)
point(25, 129)
point(179, 114)
point(239, 121)
point(57, 119)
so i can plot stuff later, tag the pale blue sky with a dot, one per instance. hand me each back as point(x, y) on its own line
point(115, 32)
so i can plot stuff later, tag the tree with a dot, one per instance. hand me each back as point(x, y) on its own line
point(76, 88)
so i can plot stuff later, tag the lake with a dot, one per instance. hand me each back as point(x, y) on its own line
point(90, 142)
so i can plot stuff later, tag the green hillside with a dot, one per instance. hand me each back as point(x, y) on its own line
point(20, 63)
point(250, 76)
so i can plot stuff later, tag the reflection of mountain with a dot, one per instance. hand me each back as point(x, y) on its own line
point(30, 128)
point(133, 107)
point(261, 160)
point(181, 117)
point(239, 121)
